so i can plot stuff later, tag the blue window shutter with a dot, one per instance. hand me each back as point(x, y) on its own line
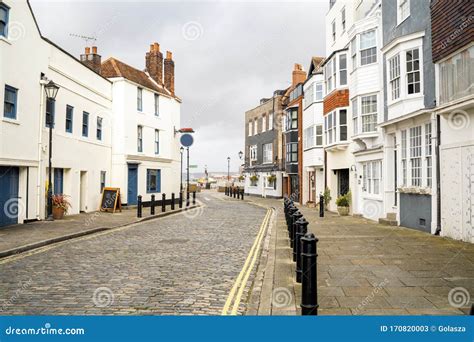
point(10, 102)
point(4, 13)
point(148, 181)
point(69, 118)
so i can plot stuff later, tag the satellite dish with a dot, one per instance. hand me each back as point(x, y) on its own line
point(186, 140)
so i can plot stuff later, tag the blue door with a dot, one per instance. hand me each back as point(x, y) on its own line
point(132, 184)
point(9, 205)
point(58, 181)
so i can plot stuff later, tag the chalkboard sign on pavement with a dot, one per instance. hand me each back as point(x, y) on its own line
point(111, 200)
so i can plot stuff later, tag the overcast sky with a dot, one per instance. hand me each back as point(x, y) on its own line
point(227, 55)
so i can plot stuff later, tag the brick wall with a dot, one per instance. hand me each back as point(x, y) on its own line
point(452, 26)
point(338, 98)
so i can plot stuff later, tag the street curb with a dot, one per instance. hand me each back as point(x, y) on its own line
point(36, 245)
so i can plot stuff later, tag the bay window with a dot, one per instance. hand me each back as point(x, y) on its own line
point(308, 134)
point(413, 71)
point(309, 96)
point(354, 52)
point(369, 113)
point(368, 48)
point(343, 124)
point(292, 152)
point(319, 135)
point(394, 69)
point(319, 92)
point(343, 69)
point(355, 113)
point(292, 119)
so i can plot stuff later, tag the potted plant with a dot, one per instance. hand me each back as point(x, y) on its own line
point(343, 203)
point(327, 198)
point(253, 180)
point(61, 206)
point(271, 179)
point(241, 178)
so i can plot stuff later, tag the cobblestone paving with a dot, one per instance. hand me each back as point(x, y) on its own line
point(181, 264)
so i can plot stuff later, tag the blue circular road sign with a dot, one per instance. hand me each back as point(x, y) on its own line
point(186, 140)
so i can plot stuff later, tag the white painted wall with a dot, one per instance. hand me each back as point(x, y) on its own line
point(260, 189)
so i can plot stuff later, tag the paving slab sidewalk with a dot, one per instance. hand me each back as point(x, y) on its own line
point(23, 237)
point(365, 268)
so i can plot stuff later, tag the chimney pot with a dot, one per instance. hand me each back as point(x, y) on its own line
point(169, 55)
point(88, 50)
point(156, 47)
point(94, 49)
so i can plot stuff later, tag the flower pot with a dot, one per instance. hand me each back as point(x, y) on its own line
point(58, 213)
point(343, 211)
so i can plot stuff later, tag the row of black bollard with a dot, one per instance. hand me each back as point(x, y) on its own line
point(304, 254)
point(234, 192)
point(153, 203)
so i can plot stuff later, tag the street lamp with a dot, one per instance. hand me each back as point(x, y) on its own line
point(228, 169)
point(51, 90)
point(241, 155)
point(181, 150)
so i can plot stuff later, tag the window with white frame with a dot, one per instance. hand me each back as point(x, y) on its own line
point(343, 124)
point(255, 127)
point(403, 10)
point(264, 123)
point(413, 71)
point(369, 113)
point(253, 152)
point(319, 135)
point(368, 47)
point(415, 156)
point(354, 53)
point(404, 157)
point(428, 153)
point(372, 177)
point(268, 153)
point(343, 69)
point(309, 96)
point(343, 19)
point(394, 69)
point(333, 26)
point(270, 121)
point(355, 116)
point(250, 128)
point(328, 73)
point(319, 92)
point(308, 140)
point(453, 82)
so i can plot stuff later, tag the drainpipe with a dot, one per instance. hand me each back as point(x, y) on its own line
point(438, 178)
point(40, 149)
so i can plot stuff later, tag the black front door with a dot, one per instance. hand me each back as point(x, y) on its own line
point(343, 181)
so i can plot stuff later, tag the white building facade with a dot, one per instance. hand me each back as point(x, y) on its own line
point(313, 142)
point(81, 149)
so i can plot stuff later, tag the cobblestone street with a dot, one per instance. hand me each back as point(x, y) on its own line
point(180, 264)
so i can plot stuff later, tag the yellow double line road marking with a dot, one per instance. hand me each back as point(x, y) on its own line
point(244, 275)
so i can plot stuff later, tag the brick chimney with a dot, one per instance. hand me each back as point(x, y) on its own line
point(299, 76)
point(169, 72)
point(92, 59)
point(154, 63)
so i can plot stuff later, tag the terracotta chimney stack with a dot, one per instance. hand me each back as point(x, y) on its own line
point(92, 60)
point(299, 76)
point(169, 72)
point(154, 63)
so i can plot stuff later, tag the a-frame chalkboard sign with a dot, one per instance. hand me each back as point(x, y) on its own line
point(111, 200)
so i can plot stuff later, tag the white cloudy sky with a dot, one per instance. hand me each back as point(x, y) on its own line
point(227, 55)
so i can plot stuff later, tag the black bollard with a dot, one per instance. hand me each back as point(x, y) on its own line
point(152, 205)
point(235, 191)
point(295, 217)
point(471, 313)
point(302, 229)
point(172, 201)
point(187, 198)
point(321, 206)
point(242, 194)
point(289, 217)
point(194, 197)
point(309, 290)
point(163, 203)
point(226, 191)
point(139, 206)
point(180, 204)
